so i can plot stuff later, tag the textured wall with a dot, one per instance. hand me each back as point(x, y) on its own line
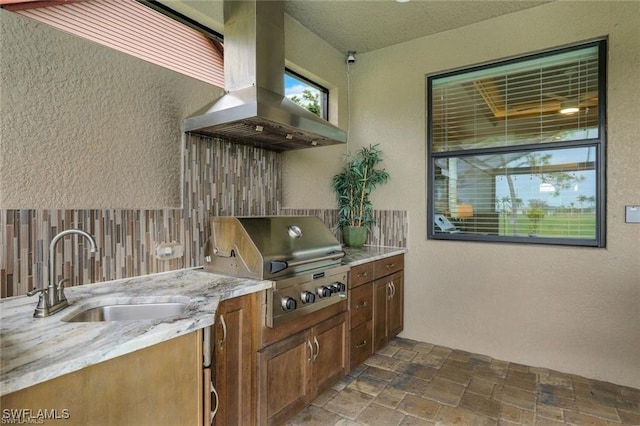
point(220, 178)
point(572, 309)
point(81, 122)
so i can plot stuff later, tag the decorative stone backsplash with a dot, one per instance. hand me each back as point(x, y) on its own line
point(390, 229)
point(220, 178)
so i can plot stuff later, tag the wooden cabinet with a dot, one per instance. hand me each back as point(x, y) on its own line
point(376, 306)
point(157, 385)
point(234, 365)
point(388, 302)
point(294, 370)
point(388, 308)
point(360, 313)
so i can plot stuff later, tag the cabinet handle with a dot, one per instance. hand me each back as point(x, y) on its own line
point(315, 340)
point(215, 410)
point(393, 289)
point(361, 345)
point(390, 265)
point(389, 293)
point(310, 351)
point(362, 305)
point(364, 274)
point(224, 331)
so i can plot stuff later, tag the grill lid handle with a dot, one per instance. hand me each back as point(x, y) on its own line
point(276, 266)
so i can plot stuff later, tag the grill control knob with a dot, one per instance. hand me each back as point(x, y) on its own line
point(307, 297)
point(324, 291)
point(288, 304)
point(338, 287)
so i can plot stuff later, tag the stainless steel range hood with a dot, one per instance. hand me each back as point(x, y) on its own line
point(254, 110)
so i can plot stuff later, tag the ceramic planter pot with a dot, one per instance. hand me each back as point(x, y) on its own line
point(354, 236)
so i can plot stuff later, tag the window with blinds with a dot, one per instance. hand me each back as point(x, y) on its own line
point(516, 149)
point(135, 29)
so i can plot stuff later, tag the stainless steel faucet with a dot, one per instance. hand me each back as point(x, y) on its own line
point(52, 298)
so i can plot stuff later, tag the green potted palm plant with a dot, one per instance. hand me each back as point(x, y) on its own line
point(352, 187)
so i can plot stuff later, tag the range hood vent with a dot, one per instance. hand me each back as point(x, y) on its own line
point(254, 110)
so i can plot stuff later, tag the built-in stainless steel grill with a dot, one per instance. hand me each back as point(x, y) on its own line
point(298, 253)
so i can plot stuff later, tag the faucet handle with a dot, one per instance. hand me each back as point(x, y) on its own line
point(35, 291)
point(60, 290)
point(61, 283)
point(42, 309)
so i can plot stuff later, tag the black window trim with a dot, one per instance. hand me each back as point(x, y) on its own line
point(599, 144)
point(323, 90)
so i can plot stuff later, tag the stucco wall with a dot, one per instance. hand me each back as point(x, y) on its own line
point(84, 126)
point(572, 309)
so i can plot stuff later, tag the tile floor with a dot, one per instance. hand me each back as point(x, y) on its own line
point(415, 383)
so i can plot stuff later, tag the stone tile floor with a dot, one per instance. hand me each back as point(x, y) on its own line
point(415, 383)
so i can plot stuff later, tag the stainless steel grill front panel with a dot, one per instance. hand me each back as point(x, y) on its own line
point(293, 288)
point(299, 253)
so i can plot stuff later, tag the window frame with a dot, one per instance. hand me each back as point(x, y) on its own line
point(599, 143)
point(324, 92)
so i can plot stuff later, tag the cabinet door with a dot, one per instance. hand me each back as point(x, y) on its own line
point(361, 344)
point(381, 291)
point(284, 378)
point(158, 385)
point(330, 355)
point(395, 309)
point(360, 305)
point(234, 361)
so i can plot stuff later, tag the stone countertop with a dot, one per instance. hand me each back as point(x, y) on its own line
point(34, 350)
point(355, 257)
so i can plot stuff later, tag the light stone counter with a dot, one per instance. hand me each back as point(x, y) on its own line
point(34, 350)
point(366, 254)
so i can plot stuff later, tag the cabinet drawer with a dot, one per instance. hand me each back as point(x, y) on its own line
point(360, 304)
point(389, 265)
point(361, 344)
point(361, 274)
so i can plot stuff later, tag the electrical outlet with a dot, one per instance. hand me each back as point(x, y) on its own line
point(168, 251)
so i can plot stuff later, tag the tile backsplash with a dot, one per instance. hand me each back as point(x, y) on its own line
point(220, 178)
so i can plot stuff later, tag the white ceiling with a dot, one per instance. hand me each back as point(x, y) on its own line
point(365, 25)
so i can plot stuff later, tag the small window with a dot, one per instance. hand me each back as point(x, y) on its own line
point(516, 150)
point(306, 93)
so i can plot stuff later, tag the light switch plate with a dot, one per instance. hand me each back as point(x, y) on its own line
point(632, 214)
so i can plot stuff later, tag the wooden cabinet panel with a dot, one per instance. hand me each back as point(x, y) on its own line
point(296, 369)
point(284, 378)
point(380, 296)
point(361, 344)
point(389, 265)
point(388, 300)
point(330, 358)
point(395, 315)
point(161, 384)
point(360, 305)
point(233, 358)
point(361, 274)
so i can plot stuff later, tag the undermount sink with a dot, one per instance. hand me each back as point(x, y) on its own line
point(129, 312)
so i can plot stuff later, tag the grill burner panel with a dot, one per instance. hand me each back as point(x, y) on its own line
point(302, 295)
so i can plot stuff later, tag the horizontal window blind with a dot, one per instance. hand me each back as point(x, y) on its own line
point(520, 103)
point(516, 150)
point(137, 30)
